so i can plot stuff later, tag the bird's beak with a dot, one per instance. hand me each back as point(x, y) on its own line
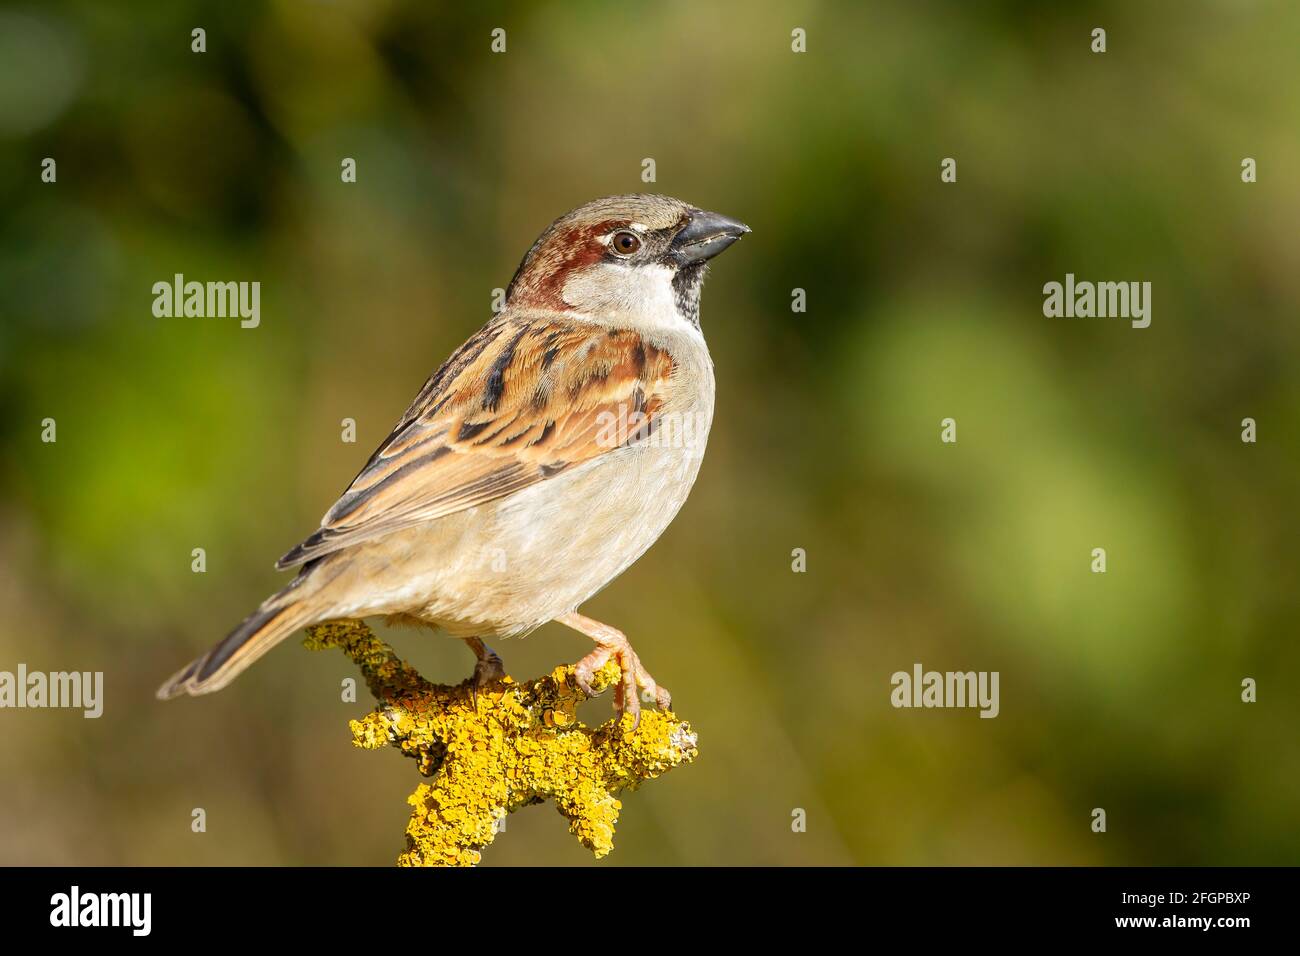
point(704, 236)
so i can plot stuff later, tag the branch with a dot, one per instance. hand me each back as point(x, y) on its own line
point(516, 745)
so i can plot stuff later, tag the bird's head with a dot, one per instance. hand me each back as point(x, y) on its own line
point(639, 255)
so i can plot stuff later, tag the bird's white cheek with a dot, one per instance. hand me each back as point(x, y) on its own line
point(643, 294)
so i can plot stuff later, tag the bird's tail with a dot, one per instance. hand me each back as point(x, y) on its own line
point(278, 617)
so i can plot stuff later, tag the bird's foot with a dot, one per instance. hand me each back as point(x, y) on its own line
point(488, 667)
point(613, 643)
point(636, 683)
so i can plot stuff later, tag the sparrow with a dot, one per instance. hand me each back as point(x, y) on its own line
point(546, 455)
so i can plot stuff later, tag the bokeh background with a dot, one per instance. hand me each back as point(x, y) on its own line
point(1119, 691)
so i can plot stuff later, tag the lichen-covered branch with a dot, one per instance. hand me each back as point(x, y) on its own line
point(511, 745)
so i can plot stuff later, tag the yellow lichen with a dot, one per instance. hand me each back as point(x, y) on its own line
point(511, 745)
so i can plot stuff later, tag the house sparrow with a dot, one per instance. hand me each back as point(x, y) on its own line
point(541, 460)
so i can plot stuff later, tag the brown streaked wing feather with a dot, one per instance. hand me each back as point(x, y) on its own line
point(521, 401)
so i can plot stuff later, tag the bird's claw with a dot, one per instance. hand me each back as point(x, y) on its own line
point(488, 670)
point(635, 681)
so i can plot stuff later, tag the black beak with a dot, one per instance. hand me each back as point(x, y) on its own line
point(704, 236)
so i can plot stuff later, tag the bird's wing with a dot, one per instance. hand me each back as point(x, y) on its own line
point(522, 401)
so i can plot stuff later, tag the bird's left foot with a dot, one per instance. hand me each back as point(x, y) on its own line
point(636, 683)
point(488, 668)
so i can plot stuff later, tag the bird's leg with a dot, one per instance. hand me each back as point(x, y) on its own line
point(489, 667)
point(611, 642)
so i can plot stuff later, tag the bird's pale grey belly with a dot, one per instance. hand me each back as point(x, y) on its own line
point(507, 567)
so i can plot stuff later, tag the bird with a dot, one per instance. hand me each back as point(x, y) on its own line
point(543, 458)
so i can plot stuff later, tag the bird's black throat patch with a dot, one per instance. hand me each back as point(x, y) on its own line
point(687, 284)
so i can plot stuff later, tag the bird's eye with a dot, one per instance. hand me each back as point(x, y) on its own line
point(625, 243)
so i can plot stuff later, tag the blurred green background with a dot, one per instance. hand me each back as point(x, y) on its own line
point(1119, 691)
